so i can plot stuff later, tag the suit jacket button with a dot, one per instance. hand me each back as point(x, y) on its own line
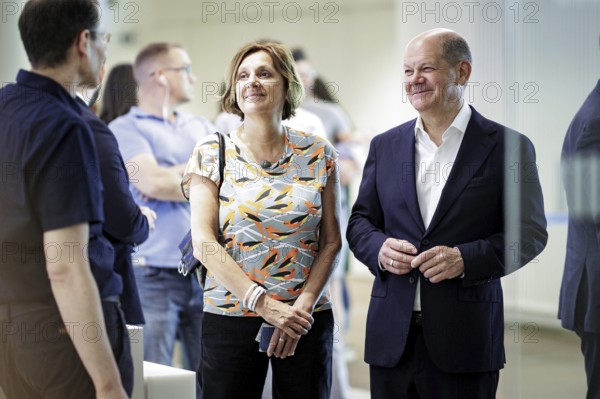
point(411, 280)
point(425, 242)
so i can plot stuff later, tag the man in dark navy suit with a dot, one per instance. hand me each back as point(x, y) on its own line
point(579, 306)
point(449, 203)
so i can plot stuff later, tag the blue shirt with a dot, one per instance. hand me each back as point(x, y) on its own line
point(124, 224)
point(141, 133)
point(49, 180)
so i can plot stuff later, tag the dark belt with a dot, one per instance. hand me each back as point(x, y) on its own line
point(111, 298)
point(416, 320)
point(169, 269)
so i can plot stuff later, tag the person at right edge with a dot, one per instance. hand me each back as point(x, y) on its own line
point(579, 305)
point(435, 218)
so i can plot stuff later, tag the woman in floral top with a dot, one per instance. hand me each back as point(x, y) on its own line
point(269, 237)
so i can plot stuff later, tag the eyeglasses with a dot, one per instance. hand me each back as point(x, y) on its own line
point(187, 68)
point(104, 36)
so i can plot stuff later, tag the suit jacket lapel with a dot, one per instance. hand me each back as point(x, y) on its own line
point(405, 167)
point(477, 144)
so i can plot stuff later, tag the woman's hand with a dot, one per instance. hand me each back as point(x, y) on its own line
point(293, 321)
point(282, 345)
point(306, 302)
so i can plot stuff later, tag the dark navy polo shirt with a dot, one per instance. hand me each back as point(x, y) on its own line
point(124, 224)
point(49, 179)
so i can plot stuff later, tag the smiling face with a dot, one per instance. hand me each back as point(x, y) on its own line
point(432, 84)
point(260, 88)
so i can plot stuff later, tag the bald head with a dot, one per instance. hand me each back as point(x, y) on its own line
point(452, 47)
point(437, 66)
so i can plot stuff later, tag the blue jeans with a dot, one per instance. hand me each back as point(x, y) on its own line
point(172, 307)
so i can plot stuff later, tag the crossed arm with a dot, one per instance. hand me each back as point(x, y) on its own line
point(155, 181)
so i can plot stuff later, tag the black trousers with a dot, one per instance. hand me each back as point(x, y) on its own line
point(232, 366)
point(39, 360)
point(417, 377)
point(119, 342)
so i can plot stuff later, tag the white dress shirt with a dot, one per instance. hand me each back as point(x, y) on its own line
point(433, 165)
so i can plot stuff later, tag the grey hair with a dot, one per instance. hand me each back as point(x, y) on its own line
point(455, 49)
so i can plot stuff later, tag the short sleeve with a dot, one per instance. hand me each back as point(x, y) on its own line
point(204, 162)
point(67, 161)
point(331, 159)
point(132, 141)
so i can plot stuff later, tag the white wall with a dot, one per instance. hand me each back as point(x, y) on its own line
point(351, 43)
point(13, 56)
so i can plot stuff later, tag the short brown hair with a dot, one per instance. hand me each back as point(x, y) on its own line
point(151, 52)
point(283, 63)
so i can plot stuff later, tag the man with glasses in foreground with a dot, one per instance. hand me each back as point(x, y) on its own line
point(54, 342)
point(156, 142)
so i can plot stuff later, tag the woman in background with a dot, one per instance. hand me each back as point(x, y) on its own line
point(120, 93)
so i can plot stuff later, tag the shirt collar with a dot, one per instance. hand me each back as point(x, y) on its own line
point(140, 114)
point(460, 122)
point(80, 98)
point(45, 84)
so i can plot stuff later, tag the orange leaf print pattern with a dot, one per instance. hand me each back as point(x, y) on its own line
point(269, 219)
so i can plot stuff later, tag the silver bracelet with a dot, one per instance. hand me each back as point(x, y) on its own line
point(246, 297)
point(256, 294)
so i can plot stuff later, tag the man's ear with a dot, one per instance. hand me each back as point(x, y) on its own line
point(464, 72)
point(82, 41)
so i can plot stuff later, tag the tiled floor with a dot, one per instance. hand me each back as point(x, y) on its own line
point(541, 364)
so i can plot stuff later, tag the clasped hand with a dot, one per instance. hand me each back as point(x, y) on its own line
point(437, 264)
point(291, 323)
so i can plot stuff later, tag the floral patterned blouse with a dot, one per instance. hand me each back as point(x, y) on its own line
point(269, 217)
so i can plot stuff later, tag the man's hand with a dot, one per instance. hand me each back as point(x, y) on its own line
point(112, 393)
point(440, 263)
point(150, 215)
point(396, 256)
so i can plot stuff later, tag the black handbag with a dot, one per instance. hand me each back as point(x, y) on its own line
point(188, 263)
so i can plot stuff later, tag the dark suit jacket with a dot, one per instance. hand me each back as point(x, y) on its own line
point(581, 178)
point(124, 224)
point(462, 318)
